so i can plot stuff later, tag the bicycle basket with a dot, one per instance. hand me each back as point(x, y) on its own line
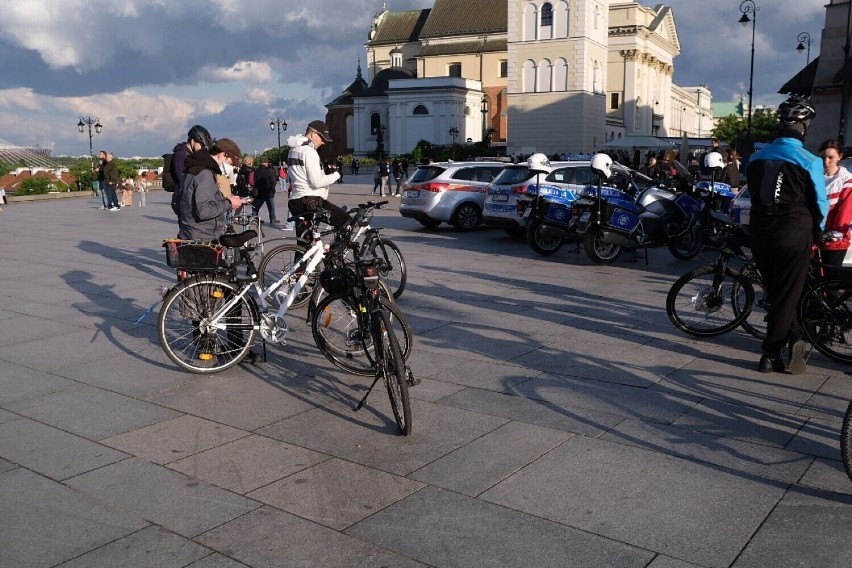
point(192, 255)
point(338, 281)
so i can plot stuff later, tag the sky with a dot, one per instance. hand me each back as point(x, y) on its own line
point(150, 69)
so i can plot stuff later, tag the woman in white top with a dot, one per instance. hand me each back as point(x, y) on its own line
point(839, 202)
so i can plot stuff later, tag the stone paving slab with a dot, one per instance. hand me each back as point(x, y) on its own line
point(562, 419)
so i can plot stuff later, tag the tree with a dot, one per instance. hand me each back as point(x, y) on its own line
point(764, 127)
point(35, 185)
point(82, 173)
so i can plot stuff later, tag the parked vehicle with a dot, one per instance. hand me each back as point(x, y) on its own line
point(612, 220)
point(448, 192)
point(510, 195)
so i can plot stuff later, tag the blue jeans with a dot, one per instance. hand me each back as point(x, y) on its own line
point(112, 200)
point(102, 193)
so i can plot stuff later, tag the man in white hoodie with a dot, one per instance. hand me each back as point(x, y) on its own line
point(308, 178)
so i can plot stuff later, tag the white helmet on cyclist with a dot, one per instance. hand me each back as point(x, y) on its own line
point(602, 165)
point(539, 163)
point(714, 161)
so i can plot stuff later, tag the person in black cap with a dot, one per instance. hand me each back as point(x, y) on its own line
point(310, 182)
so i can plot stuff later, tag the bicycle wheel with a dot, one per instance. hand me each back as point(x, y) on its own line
point(337, 332)
point(278, 261)
point(825, 313)
point(846, 441)
point(187, 336)
point(699, 302)
point(755, 321)
point(391, 365)
point(393, 268)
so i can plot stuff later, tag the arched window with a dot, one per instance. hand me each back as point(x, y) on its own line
point(560, 19)
point(596, 77)
point(420, 109)
point(375, 123)
point(546, 14)
point(528, 76)
point(597, 16)
point(545, 76)
point(560, 75)
point(396, 57)
point(530, 22)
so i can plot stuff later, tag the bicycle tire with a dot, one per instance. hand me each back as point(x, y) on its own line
point(755, 321)
point(693, 306)
point(391, 365)
point(279, 260)
point(393, 270)
point(846, 441)
point(336, 330)
point(825, 314)
point(185, 340)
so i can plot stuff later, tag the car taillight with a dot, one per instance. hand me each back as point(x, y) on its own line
point(370, 273)
point(436, 187)
point(519, 189)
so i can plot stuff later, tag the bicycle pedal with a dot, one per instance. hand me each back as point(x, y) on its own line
point(410, 378)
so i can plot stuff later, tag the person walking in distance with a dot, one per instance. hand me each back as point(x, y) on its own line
point(265, 178)
point(309, 181)
point(111, 180)
point(788, 207)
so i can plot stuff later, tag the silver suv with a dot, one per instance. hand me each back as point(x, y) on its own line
point(509, 195)
point(448, 192)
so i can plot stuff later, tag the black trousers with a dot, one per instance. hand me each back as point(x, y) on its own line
point(299, 207)
point(782, 254)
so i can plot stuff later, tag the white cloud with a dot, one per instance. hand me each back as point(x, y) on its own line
point(241, 71)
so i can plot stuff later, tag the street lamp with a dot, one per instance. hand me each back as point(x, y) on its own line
point(453, 133)
point(803, 38)
point(282, 125)
point(380, 140)
point(746, 7)
point(484, 102)
point(89, 121)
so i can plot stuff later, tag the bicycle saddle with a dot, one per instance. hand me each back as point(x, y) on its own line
point(237, 239)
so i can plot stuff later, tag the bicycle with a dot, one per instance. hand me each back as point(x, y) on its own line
point(355, 299)
point(846, 441)
point(208, 321)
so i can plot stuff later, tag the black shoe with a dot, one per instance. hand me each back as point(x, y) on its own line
point(769, 365)
point(797, 364)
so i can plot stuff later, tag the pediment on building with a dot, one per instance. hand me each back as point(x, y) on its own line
point(663, 25)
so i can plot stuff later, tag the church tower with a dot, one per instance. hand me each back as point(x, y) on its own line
point(557, 59)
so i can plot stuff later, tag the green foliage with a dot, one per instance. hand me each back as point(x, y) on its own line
point(764, 127)
point(35, 186)
point(5, 169)
point(81, 171)
point(126, 169)
point(272, 154)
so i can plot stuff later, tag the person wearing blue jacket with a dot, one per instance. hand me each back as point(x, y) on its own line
point(788, 209)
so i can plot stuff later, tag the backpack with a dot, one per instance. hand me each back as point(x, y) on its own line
point(169, 178)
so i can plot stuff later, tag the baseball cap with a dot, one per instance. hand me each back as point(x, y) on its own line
point(321, 128)
point(265, 160)
point(229, 147)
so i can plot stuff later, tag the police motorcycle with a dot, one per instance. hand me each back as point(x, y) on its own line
point(717, 197)
point(550, 222)
point(611, 220)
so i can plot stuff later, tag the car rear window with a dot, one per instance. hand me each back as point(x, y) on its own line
point(510, 176)
point(477, 173)
point(426, 173)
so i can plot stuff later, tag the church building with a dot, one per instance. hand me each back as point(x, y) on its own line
point(525, 75)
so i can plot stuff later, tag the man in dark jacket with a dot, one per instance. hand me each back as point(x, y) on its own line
point(111, 179)
point(265, 179)
point(201, 206)
point(788, 207)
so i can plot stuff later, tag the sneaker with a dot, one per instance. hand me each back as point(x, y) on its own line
point(113, 208)
point(769, 365)
point(797, 364)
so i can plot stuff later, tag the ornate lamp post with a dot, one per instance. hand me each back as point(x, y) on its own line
point(804, 38)
point(90, 122)
point(453, 133)
point(746, 7)
point(484, 102)
point(282, 125)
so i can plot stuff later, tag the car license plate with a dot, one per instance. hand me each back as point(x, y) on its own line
point(412, 193)
point(500, 197)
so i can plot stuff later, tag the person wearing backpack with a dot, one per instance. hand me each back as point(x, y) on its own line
point(265, 179)
point(174, 163)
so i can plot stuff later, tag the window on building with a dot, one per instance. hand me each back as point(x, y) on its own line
point(396, 58)
point(375, 123)
point(420, 109)
point(454, 70)
point(547, 14)
point(529, 76)
point(504, 68)
point(597, 15)
point(613, 101)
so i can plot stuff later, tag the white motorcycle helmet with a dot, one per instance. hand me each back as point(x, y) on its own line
point(602, 165)
point(714, 161)
point(539, 163)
